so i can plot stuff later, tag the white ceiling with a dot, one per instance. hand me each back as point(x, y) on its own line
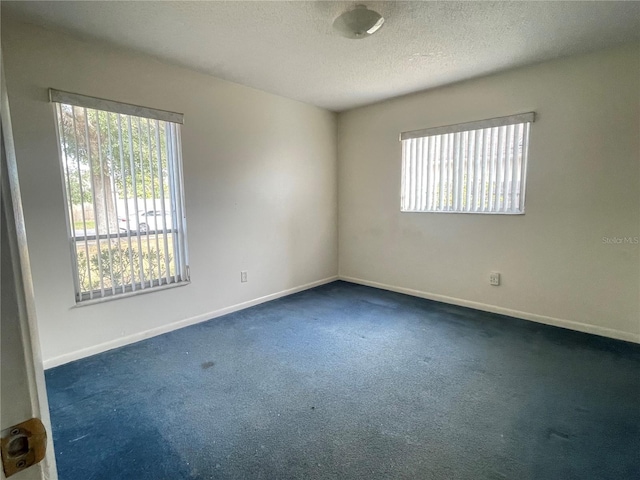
point(288, 48)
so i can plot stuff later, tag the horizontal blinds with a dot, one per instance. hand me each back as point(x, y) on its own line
point(482, 170)
point(84, 101)
point(477, 125)
point(123, 179)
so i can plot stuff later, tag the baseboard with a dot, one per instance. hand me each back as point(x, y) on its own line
point(136, 337)
point(556, 322)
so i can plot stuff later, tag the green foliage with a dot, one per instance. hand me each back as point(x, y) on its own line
point(101, 144)
point(81, 195)
point(121, 263)
point(78, 225)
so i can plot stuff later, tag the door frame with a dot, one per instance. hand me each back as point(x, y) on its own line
point(16, 230)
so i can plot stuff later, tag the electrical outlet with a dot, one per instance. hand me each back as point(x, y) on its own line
point(243, 276)
point(494, 278)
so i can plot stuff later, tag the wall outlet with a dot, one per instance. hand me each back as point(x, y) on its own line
point(243, 276)
point(494, 278)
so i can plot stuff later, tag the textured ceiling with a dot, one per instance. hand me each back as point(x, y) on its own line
point(288, 48)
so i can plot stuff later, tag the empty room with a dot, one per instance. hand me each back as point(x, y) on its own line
point(320, 240)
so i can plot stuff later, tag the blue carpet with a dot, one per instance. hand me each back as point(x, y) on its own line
point(350, 382)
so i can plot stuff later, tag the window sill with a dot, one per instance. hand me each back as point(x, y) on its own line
point(117, 296)
point(464, 213)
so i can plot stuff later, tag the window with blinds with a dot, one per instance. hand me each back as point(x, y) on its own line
point(122, 171)
point(475, 167)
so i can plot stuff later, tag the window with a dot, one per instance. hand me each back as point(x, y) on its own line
point(122, 172)
point(476, 167)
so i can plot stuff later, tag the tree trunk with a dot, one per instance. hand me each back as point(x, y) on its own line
point(106, 221)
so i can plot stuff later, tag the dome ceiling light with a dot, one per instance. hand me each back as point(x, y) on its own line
point(358, 23)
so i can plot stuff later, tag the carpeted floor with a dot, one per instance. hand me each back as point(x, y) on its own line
point(350, 382)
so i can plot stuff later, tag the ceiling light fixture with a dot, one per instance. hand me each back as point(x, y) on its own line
point(358, 23)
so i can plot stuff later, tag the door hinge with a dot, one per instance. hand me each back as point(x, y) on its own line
point(22, 446)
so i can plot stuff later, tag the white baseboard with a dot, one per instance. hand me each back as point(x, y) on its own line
point(136, 337)
point(557, 322)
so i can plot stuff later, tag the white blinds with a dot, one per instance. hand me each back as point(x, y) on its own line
point(123, 180)
point(477, 167)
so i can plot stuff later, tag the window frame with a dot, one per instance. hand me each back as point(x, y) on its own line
point(175, 207)
point(461, 161)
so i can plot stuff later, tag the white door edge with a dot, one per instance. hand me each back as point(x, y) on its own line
point(24, 290)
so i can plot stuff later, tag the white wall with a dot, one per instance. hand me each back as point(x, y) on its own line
point(583, 184)
point(261, 192)
point(260, 183)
